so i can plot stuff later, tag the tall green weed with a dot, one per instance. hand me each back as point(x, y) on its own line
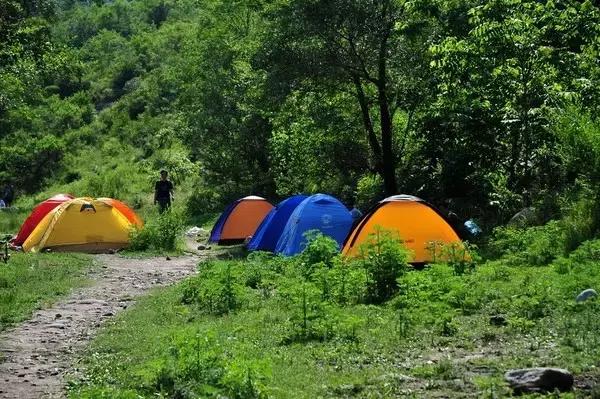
point(217, 289)
point(384, 259)
point(161, 233)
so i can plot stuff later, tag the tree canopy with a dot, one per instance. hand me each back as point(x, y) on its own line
point(454, 101)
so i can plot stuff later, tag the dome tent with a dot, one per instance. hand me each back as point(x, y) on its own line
point(266, 236)
point(318, 212)
point(83, 225)
point(37, 214)
point(240, 220)
point(417, 222)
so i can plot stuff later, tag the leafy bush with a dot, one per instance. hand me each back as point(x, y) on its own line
point(320, 250)
point(582, 219)
point(311, 317)
point(199, 366)
point(535, 246)
point(460, 256)
point(204, 200)
point(369, 190)
point(540, 245)
point(216, 289)
point(346, 283)
point(589, 251)
point(161, 233)
point(384, 259)
point(263, 271)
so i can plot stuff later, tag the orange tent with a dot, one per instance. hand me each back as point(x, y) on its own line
point(417, 223)
point(240, 220)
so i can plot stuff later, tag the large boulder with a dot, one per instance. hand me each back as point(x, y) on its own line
point(540, 379)
point(586, 294)
point(524, 218)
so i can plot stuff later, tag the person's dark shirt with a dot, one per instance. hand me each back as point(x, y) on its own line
point(9, 194)
point(162, 190)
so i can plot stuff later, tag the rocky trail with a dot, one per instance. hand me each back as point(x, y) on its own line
point(36, 355)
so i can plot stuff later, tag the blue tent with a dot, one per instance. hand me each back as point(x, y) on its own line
point(317, 212)
point(269, 231)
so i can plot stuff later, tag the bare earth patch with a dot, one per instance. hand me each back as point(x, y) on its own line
point(36, 355)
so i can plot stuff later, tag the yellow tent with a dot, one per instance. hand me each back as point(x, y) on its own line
point(82, 224)
point(418, 224)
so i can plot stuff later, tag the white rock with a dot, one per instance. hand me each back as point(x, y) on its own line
point(586, 294)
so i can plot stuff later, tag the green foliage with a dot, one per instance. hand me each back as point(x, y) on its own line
point(285, 329)
point(321, 250)
point(216, 289)
point(160, 233)
point(369, 190)
point(384, 260)
point(11, 220)
point(540, 245)
point(479, 101)
point(204, 200)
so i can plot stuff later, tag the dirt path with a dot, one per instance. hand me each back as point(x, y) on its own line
point(36, 355)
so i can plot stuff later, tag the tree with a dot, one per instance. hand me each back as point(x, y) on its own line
point(498, 84)
point(373, 48)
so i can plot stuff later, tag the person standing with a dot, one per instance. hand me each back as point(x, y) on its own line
point(9, 195)
point(163, 192)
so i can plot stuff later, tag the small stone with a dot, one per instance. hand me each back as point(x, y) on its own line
point(586, 294)
point(498, 320)
point(348, 390)
point(59, 326)
point(108, 314)
point(57, 316)
point(540, 379)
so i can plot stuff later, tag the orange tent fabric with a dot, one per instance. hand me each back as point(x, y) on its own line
point(126, 211)
point(417, 223)
point(240, 220)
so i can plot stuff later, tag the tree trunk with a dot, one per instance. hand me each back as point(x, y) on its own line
point(387, 141)
point(389, 160)
point(368, 124)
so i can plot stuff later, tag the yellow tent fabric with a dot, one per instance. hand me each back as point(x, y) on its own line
point(82, 224)
point(417, 223)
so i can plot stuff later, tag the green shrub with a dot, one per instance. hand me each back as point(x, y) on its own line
point(540, 245)
point(199, 366)
point(320, 250)
point(311, 317)
point(384, 259)
point(204, 200)
point(589, 251)
point(535, 246)
point(347, 283)
point(462, 257)
point(582, 220)
point(216, 289)
point(161, 233)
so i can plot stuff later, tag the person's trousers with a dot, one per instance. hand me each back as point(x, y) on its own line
point(163, 205)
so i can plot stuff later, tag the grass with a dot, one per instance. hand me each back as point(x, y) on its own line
point(237, 331)
point(11, 220)
point(33, 281)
